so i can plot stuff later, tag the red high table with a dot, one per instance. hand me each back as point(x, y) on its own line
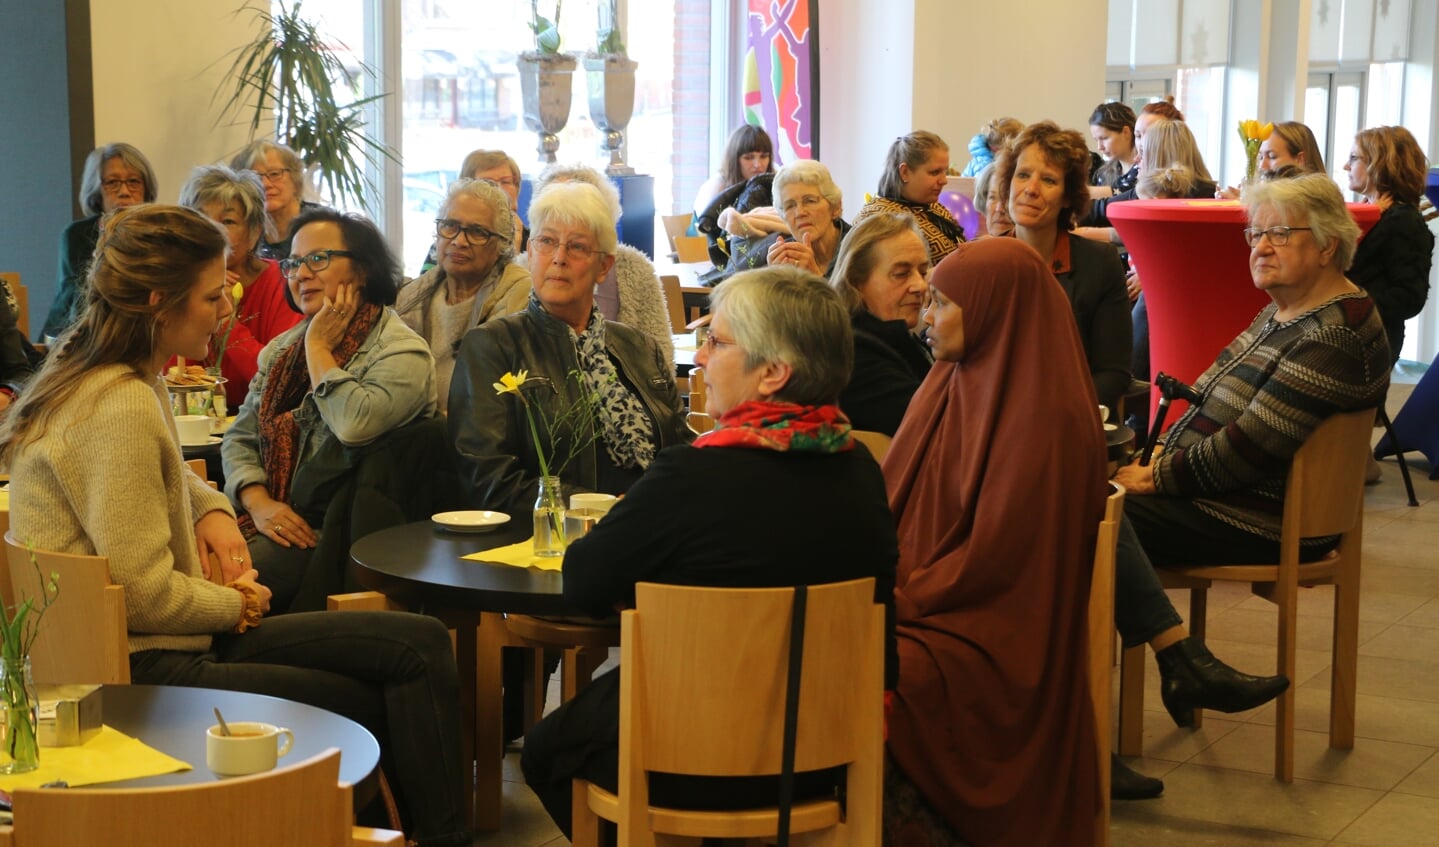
point(1194, 262)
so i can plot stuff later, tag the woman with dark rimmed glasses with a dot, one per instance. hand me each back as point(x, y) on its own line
point(476, 278)
point(350, 372)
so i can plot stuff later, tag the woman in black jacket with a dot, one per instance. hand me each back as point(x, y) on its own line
point(881, 272)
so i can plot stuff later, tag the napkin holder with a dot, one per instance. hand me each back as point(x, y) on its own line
point(70, 715)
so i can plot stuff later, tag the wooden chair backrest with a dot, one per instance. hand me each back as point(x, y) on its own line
point(1327, 476)
point(699, 398)
point(696, 300)
point(877, 442)
point(1101, 643)
point(22, 300)
point(690, 249)
point(303, 803)
point(724, 654)
point(676, 226)
point(675, 303)
point(84, 636)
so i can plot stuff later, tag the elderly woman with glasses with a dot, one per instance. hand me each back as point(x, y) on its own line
point(476, 278)
point(350, 372)
point(115, 176)
point(237, 203)
point(283, 176)
point(568, 351)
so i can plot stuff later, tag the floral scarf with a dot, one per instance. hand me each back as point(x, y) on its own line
point(285, 389)
point(764, 425)
point(624, 424)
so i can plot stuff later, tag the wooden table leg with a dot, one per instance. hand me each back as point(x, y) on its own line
point(489, 720)
point(464, 628)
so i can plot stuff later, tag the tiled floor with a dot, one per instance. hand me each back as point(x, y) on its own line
point(1219, 785)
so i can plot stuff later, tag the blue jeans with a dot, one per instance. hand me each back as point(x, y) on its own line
point(391, 672)
point(1141, 608)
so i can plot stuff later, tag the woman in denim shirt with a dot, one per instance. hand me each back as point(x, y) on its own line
point(351, 371)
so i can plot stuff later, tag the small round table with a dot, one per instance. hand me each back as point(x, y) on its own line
point(173, 720)
point(421, 567)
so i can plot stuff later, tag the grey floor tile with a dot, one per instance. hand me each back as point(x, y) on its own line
point(1165, 742)
point(1396, 819)
point(1402, 578)
point(1407, 679)
point(1259, 802)
point(1424, 781)
point(1425, 615)
point(524, 821)
point(1371, 764)
point(1383, 718)
point(1260, 626)
point(1403, 642)
point(1133, 826)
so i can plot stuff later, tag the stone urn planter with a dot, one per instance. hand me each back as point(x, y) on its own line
point(611, 82)
point(546, 88)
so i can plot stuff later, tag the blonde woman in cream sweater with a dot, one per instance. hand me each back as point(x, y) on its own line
point(96, 469)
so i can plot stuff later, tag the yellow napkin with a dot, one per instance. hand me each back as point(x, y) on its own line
point(108, 757)
point(521, 555)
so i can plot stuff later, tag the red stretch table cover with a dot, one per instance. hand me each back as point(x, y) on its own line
point(1194, 263)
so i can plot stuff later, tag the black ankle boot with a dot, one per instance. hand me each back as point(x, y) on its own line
point(1191, 678)
point(1128, 784)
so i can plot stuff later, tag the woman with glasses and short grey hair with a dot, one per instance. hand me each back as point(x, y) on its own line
point(115, 176)
point(567, 348)
point(476, 279)
point(282, 174)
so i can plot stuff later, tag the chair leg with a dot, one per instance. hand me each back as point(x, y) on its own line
point(1131, 701)
point(577, 667)
point(1398, 455)
point(584, 823)
point(1198, 626)
point(1345, 666)
point(1287, 599)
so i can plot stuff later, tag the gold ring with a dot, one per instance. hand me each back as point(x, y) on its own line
point(240, 559)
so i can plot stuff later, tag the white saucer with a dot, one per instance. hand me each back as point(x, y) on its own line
point(477, 521)
point(214, 439)
point(1109, 427)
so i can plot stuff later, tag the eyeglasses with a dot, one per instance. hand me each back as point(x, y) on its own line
point(114, 185)
point(316, 261)
point(275, 175)
point(503, 181)
point(476, 234)
point(712, 341)
point(1278, 235)
point(546, 245)
point(809, 201)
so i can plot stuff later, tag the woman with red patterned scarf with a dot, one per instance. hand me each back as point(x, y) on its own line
point(781, 495)
point(351, 371)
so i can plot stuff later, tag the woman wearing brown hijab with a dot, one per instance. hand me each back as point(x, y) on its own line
point(996, 479)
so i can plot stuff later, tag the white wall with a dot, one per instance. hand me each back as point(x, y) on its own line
point(155, 71)
point(887, 68)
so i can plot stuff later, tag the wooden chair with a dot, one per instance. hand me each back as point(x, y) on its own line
point(698, 419)
point(1325, 496)
point(84, 637)
point(1101, 645)
point(300, 804)
point(876, 442)
point(583, 647)
point(675, 302)
point(702, 691)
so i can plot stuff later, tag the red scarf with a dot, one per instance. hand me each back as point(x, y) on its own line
point(287, 387)
point(763, 425)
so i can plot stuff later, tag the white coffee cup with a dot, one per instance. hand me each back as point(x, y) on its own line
point(594, 501)
point(194, 430)
point(251, 747)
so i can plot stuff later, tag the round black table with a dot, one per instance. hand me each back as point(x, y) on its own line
point(420, 567)
point(173, 720)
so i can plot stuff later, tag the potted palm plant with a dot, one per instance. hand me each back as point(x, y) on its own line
point(287, 73)
point(546, 81)
point(610, 73)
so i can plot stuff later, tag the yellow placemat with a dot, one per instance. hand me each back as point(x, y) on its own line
point(521, 555)
point(108, 757)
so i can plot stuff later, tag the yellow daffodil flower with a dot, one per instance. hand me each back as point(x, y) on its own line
point(510, 383)
point(236, 292)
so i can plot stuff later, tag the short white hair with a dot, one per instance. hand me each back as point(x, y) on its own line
point(808, 172)
point(576, 204)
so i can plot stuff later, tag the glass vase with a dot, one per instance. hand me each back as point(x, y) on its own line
point(550, 518)
point(19, 746)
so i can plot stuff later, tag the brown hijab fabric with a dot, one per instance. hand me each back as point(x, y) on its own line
point(996, 479)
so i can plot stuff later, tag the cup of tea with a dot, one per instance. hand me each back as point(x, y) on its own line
point(594, 501)
point(251, 747)
point(194, 430)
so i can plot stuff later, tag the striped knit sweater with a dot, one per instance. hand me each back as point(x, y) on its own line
point(1267, 391)
point(107, 478)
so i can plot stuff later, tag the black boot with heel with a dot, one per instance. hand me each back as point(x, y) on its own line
point(1191, 678)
